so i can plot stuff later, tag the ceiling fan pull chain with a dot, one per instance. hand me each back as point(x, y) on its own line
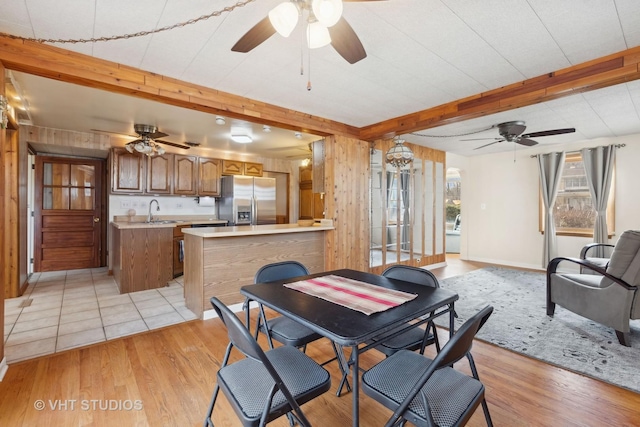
point(309, 71)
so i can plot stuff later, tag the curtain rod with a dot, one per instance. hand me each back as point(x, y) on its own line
point(533, 156)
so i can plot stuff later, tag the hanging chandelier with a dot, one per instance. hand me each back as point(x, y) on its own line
point(399, 155)
point(145, 146)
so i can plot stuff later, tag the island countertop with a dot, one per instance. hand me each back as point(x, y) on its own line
point(252, 230)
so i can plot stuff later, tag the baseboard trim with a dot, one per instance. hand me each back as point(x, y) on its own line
point(507, 263)
point(236, 308)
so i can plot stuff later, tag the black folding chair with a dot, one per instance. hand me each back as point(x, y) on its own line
point(265, 385)
point(282, 329)
point(430, 392)
point(417, 338)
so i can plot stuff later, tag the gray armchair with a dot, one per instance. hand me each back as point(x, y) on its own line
point(586, 252)
point(611, 297)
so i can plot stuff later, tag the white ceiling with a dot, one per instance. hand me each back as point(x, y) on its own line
point(420, 54)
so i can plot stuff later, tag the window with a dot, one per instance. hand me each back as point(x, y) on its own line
point(574, 213)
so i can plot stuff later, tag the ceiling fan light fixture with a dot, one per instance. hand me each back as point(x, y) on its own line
point(129, 148)
point(284, 18)
point(327, 12)
point(317, 35)
point(241, 139)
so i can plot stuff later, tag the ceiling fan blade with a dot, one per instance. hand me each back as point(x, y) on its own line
point(549, 132)
point(479, 139)
point(346, 42)
point(136, 141)
point(486, 145)
point(157, 135)
point(173, 144)
point(527, 142)
point(256, 35)
point(108, 132)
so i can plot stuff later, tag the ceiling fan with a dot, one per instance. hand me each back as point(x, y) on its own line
point(147, 142)
point(325, 24)
point(512, 132)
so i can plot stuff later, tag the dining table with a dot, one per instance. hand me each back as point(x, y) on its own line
point(330, 311)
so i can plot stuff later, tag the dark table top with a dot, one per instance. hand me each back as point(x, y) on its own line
point(343, 325)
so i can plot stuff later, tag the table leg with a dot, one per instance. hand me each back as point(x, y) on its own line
point(356, 386)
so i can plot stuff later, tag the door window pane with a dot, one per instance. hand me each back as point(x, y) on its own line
point(81, 199)
point(82, 176)
point(55, 198)
point(56, 174)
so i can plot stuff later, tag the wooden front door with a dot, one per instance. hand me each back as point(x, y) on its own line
point(68, 213)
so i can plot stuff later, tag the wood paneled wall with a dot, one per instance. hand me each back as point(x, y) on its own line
point(346, 187)
point(3, 236)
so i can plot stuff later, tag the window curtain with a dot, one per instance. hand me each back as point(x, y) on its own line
point(405, 182)
point(598, 165)
point(550, 166)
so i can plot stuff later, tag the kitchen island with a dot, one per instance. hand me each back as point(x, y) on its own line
point(142, 253)
point(219, 261)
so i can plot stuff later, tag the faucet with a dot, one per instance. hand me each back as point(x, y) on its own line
point(150, 216)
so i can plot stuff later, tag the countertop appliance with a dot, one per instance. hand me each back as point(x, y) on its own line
point(247, 200)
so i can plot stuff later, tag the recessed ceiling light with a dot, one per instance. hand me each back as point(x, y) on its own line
point(298, 135)
point(266, 128)
point(220, 120)
point(241, 139)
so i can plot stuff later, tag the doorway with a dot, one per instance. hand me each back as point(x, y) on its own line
point(69, 212)
point(453, 206)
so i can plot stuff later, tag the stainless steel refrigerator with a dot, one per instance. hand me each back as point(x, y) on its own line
point(247, 200)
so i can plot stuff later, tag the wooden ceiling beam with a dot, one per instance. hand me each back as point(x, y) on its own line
point(71, 67)
point(607, 71)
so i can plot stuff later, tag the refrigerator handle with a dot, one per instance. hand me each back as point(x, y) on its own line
point(254, 211)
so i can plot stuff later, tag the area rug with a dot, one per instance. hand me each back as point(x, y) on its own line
point(519, 323)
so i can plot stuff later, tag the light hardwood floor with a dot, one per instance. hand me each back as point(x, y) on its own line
point(165, 378)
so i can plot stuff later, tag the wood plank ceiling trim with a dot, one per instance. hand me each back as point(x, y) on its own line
point(60, 64)
point(71, 67)
point(596, 74)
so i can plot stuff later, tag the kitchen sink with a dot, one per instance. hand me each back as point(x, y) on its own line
point(168, 221)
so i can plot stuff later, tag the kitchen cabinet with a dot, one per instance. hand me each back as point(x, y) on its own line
point(127, 170)
point(160, 174)
point(252, 169)
point(232, 167)
point(185, 175)
point(142, 258)
point(235, 167)
point(311, 204)
point(209, 177)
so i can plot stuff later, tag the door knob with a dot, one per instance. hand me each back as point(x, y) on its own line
point(96, 219)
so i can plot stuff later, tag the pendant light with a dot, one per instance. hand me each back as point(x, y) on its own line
point(399, 155)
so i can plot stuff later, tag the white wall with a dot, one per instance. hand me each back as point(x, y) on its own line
point(500, 203)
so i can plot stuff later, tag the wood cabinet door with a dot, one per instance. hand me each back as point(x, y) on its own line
point(318, 205)
point(232, 167)
point(127, 171)
point(185, 175)
point(160, 174)
point(209, 177)
point(306, 201)
point(253, 169)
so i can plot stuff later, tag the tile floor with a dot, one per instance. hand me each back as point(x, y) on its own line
point(66, 309)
